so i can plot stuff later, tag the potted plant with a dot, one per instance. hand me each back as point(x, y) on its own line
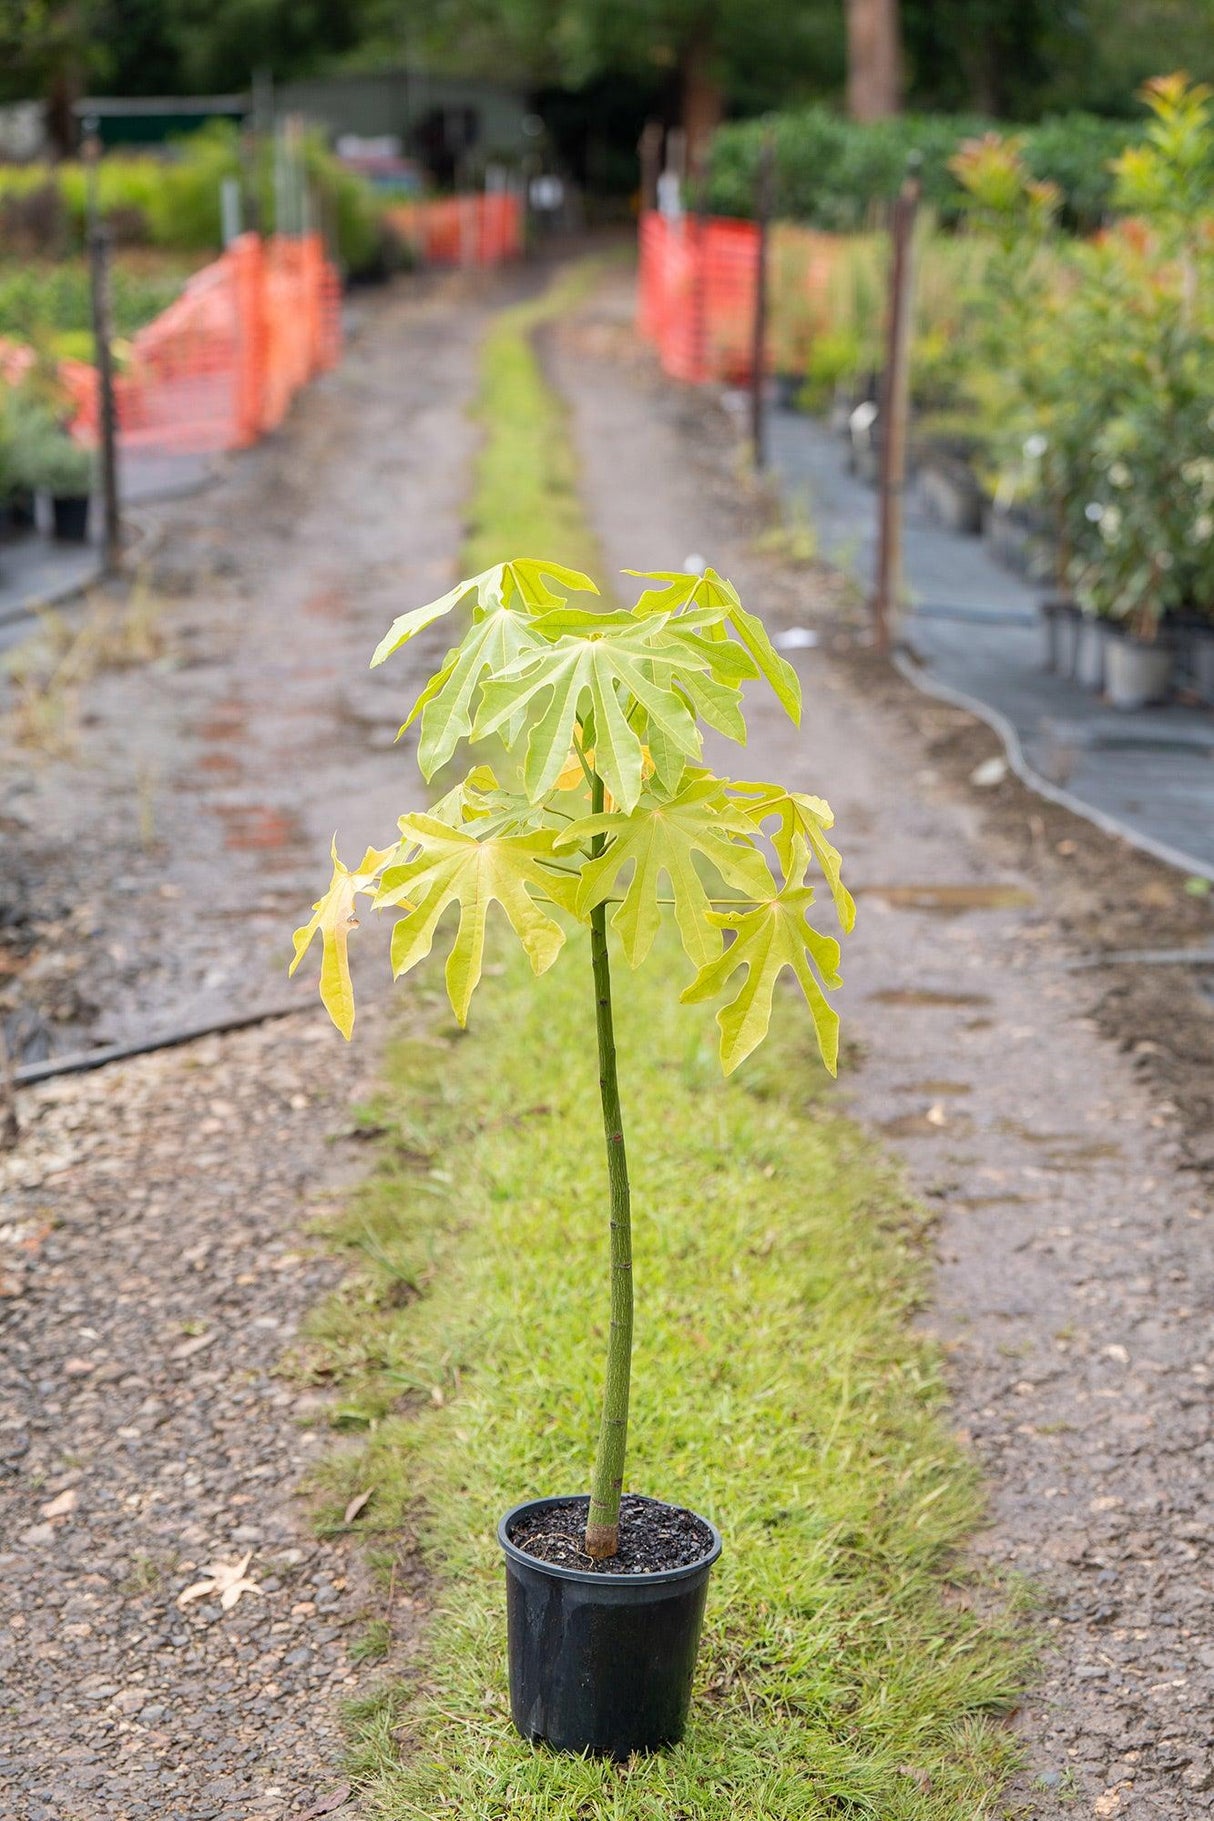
point(64, 470)
point(27, 422)
point(596, 795)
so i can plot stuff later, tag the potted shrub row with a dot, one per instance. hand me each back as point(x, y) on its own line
point(1100, 361)
point(37, 455)
point(597, 796)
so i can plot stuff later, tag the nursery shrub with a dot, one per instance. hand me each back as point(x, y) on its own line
point(836, 173)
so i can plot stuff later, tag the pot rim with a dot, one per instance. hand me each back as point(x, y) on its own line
point(657, 1577)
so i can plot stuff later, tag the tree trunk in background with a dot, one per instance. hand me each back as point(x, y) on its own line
point(703, 101)
point(874, 59)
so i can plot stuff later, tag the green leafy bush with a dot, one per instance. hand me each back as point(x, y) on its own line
point(1099, 367)
point(41, 297)
point(176, 198)
point(837, 173)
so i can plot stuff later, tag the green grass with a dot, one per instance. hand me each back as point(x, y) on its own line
point(525, 494)
point(851, 1666)
point(779, 1388)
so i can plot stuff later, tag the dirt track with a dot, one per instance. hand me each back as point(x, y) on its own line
point(1059, 1119)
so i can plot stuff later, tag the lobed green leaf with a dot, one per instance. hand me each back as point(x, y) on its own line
point(774, 935)
point(448, 866)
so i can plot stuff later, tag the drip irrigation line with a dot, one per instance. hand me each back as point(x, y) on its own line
point(80, 1062)
point(1146, 957)
point(928, 685)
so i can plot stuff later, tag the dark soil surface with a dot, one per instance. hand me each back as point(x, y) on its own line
point(1051, 1102)
point(653, 1537)
point(158, 1429)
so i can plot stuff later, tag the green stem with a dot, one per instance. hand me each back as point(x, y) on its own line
point(603, 1521)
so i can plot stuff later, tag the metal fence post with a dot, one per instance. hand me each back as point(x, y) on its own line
point(892, 425)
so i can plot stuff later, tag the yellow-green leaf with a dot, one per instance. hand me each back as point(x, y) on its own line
point(769, 938)
point(521, 583)
point(605, 668)
point(333, 917)
point(806, 818)
point(660, 839)
point(446, 866)
point(712, 593)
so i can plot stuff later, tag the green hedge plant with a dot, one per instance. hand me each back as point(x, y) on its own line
point(600, 799)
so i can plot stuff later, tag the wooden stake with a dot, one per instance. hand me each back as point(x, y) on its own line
point(649, 149)
point(892, 424)
point(764, 187)
point(103, 353)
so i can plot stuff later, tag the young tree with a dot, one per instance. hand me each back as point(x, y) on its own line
point(602, 801)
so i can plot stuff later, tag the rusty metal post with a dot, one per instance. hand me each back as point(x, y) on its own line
point(892, 425)
point(764, 188)
point(103, 355)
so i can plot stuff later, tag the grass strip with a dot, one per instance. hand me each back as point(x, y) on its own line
point(525, 493)
point(780, 1389)
point(851, 1664)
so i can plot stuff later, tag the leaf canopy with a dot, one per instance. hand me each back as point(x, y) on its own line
point(600, 710)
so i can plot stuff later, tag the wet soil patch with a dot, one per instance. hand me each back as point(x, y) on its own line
point(654, 1537)
point(920, 995)
point(949, 900)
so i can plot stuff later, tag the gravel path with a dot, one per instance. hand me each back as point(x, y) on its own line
point(155, 1269)
point(1074, 1286)
point(154, 1253)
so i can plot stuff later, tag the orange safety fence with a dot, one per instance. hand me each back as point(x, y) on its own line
point(462, 230)
point(696, 293)
point(221, 365)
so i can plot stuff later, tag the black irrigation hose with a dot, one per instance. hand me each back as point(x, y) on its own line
point(79, 1062)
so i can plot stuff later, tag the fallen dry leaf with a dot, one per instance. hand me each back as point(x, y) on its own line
point(188, 1348)
point(61, 1506)
point(227, 1579)
point(919, 1778)
point(327, 1804)
point(356, 1504)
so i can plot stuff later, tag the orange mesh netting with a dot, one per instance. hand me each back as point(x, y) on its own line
point(696, 293)
point(462, 230)
point(221, 365)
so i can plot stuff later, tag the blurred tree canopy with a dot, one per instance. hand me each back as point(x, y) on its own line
point(1016, 58)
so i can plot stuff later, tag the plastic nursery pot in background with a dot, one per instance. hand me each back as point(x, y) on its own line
point(1090, 653)
point(1137, 673)
point(600, 1662)
point(70, 517)
point(1060, 620)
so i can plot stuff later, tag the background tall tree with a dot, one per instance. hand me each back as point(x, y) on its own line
point(874, 59)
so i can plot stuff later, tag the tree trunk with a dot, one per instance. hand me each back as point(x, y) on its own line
point(603, 1519)
point(874, 59)
point(703, 101)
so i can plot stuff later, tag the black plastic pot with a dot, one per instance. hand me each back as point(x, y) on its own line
point(601, 1663)
point(70, 517)
point(18, 512)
